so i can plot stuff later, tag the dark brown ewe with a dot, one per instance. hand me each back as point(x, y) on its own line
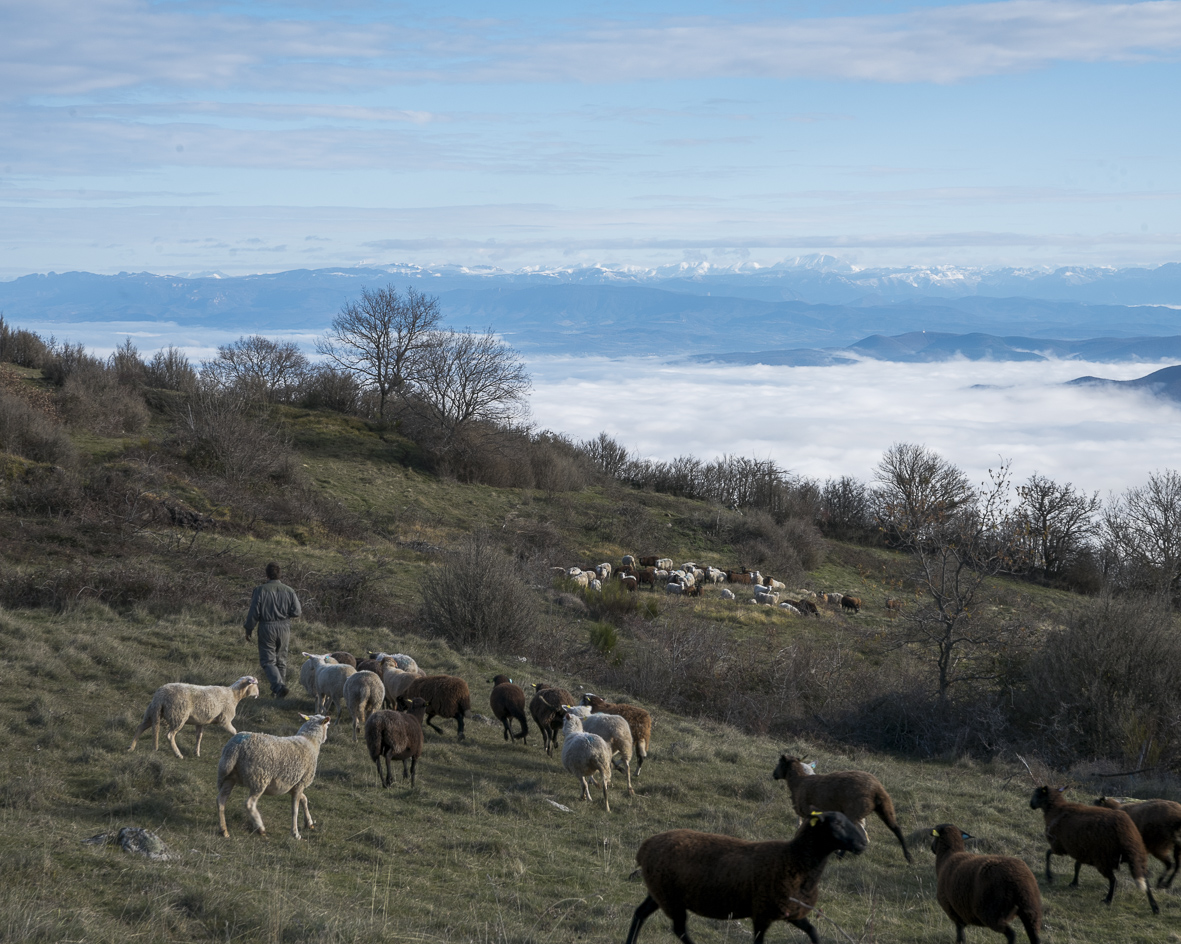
point(638, 720)
point(649, 561)
point(984, 890)
point(854, 792)
point(446, 696)
point(1159, 823)
point(508, 702)
point(396, 735)
point(724, 878)
point(546, 708)
point(851, 603)
point(369, 665)
point(344, 658)
point(1092, 835)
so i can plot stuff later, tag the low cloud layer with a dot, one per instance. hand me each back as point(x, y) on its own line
point(831, 421)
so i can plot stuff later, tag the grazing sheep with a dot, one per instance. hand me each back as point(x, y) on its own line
point(766, 596)
point(508, 701)
point(584, 755)
point(984, 890)
point(854, 792)
point(177, 703)
point(613, 729)
point(363, 694)
point(446, 696)
point(307, 671)
point(270, 765)
point(1092, 835)
point(851, 603)
point(1159, 823)
point(396, 735)
point(629, 582)
point(806, 606)
point(648, 561)
point(638, 720)
point(405, 663)
point(727, 594)
point(734, 576)
point(774, 584)
point(725, 878)
point(345, 658)
point(673, 587)
point(893, 604)
point(832, 598)
point(790, 609)
point(546, 708)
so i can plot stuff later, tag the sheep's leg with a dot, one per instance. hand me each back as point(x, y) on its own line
point(143, 726)
point(806, 926)
point(679, 916)
point(901, 841)
point(1010, 936)
point(1110, 876)
point(1175, 864)
point(156, 731)
point(459, 725)
point(585, 789)
point(200, 734)
point(377, 764)
point(172, 740)
point(642, 913)
point(1143, 885)
point(307, 813)
point(1078, 868)
point(1049, 874)
point(432, 723)
point(223, 796)
point(606, 780)
point(641, 756)
point(628, 769)
point(413, 769)
point(255, 816)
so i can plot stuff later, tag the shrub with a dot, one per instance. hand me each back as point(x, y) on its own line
point(326, 388)
point(169, 369)
point(217, 434)
point(92, 398)
point(29, 432)
point(478, 600)
point(23, 348)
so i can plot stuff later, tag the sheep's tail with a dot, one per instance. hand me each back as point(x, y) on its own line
point(884, 808)
point(229, 756)
point(151, 719)
point(1031, 920)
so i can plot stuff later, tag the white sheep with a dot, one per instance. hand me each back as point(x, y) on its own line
point(585, 755)
point(665, 563)
point(404, 662)
point(605, 570)
point(266, 764)
point(328, 686)
point(177, 703)
point(596, 585)
point(727, 593)
point(307, 671)
point(776, 584)
point(673, 587)
point(613, 729)
point(790, 609)
point(363, 694)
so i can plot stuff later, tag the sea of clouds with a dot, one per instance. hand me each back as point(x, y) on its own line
point(832, 421)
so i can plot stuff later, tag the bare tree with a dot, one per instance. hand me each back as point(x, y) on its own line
point(959, 538)
point(257, 366)
point(606, 453)
point(381, 339)
point(1057, 521)
point(1143, 529)
point(465, 378)
point(846, 508)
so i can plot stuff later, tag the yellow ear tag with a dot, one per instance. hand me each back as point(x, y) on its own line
point(934, 832)
point(815, 819)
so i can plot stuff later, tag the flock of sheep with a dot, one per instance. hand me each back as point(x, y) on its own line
point(390, 699)
point(691, 578)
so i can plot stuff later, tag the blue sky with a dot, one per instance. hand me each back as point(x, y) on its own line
point(241, 137)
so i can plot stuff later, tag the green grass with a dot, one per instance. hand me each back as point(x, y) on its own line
point(476, 853)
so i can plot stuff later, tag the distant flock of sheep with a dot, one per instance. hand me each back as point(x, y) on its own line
point(715, 876)
point(691, 578)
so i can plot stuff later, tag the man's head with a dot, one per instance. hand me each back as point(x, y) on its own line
point(273, 571)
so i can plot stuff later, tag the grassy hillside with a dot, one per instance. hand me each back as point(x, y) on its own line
point(476, 853)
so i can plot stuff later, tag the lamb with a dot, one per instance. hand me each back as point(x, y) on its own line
point(446, 696)
point(266, 764)
point(364, 694)
point(344, 658)
point(546, 708)
point(307, 671)
point(1159, 823)
point(854, 792)
point(638, 720)
point(851, 603)
point(584, 755)
point(614, 730)
point(177, 703)
point(1092, 835)
point(722, 877)
point(508, 701)
point(984, 890)
point(396, 735)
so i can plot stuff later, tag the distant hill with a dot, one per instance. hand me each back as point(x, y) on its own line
point(1164, 383)
point(932, 346)
point(612, 312)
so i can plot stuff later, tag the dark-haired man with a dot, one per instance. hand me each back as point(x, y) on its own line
point(272, 607)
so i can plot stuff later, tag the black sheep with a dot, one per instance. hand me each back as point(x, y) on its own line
point(396, 735)
point(508, 702)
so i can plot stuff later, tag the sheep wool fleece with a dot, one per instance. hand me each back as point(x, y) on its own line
point(272, 607)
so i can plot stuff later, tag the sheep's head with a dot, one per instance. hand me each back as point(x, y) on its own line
point(315, 727)
point(1109, 802)
point(845, 834)
point(577, 711)
point(246, 687)
point(792, 765)
point(949, 838)
point(1045, 797)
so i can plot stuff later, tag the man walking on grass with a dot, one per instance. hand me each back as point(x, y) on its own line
point(272, 607)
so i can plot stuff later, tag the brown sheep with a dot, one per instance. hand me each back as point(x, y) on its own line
point(1159, 823)
point(446, 696)
point(508, 701)
point(344, 658)
point(396, 735)
point(630, 583)
point(638, 720)
point(649, 561)
point(369, 665)
point(893, 604)
point(724, 878)
point(1092, 835)
point(851, 603)
point(984, 890)
point(546, 708)
point(854, 792)
point(734, 576)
